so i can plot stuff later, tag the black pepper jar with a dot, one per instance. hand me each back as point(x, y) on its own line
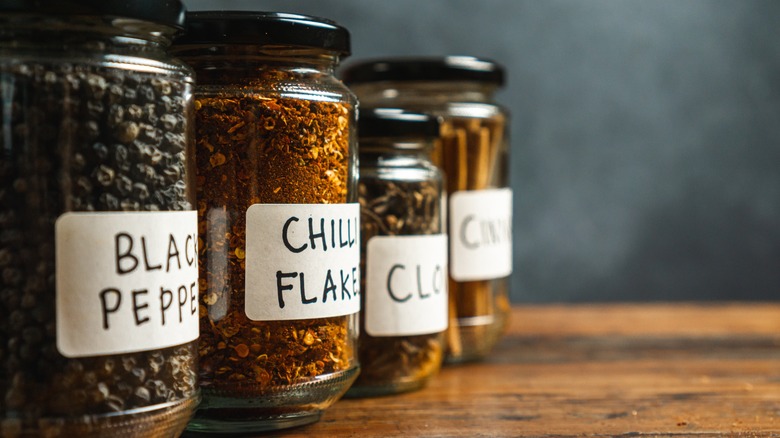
point(98, 249)
point(278, 215)
point(403, 253)
point(473, 151)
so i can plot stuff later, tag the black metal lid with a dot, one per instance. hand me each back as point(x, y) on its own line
point(165, 12)
point(265, 28)
point(448, 68)
point(395, 122)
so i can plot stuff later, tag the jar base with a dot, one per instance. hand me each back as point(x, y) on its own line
point(242, 410)
point(202, 427)
point(476, 340)
point(385, 389)
point(165, 421)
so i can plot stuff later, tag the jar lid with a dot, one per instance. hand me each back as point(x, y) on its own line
point(165, 12)
point(448, 68)
point(265, 28)
point(395, 122)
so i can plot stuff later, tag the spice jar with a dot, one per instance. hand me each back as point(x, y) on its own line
point(473, 152)
point(404, 253)
point(98, 245)
point(278, 217)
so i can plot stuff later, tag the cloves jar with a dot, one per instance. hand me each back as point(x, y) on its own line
point(98, 249)
point(278, 218)
point(473, 152)
point(404, 253)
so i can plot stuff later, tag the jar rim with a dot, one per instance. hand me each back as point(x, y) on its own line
point(395, 123)
point(169, 13)
point(447, 68)
point(264, 28)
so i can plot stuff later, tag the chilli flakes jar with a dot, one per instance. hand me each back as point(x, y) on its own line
point(278, 218)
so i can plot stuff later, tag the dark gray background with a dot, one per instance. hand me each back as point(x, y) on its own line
point(645, 134)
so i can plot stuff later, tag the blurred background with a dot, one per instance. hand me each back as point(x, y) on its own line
point(645, 135)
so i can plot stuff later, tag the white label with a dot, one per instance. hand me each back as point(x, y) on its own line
point(480, 234)
point(126, 282)
point(406, 285)
point(302, 261)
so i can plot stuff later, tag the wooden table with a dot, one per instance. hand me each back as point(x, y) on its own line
point(607, 370)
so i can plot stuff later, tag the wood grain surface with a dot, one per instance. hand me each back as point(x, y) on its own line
point(597, 370)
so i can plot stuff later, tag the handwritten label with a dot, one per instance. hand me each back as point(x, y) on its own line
point(302, 261)
point(480, 234)
point(406, 285)
point(126, 282)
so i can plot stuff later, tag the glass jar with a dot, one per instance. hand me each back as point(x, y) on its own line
point(403, 253)
point(277, 204)
point(99, 284)
point(473, 152)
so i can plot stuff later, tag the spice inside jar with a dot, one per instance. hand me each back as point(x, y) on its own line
point(404, 253)
point(278, 221)
point(95, 167)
